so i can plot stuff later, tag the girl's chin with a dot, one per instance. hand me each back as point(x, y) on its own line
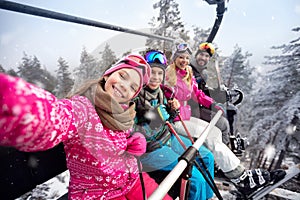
point(182, 66)
point(153, 87)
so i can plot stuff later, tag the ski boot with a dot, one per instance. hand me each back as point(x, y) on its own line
point(277, 175)
point(252, 180)
point(237, 144)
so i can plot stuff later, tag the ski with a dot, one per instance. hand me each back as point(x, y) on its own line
point(261, 192)
point(290, 173)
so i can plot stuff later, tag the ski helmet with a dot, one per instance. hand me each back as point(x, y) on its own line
point(207, 47)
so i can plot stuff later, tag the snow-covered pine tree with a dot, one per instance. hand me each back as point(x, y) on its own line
point(167, 24)
point(31, 70)
point(275, 104)
point(200, 35)
point(12, 72)
point(64, 80)
point(88, 69)
point(237, 71)
point(108, 57)
point(2, 70)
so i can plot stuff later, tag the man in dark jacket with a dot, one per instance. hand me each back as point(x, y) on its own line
point(199, 66)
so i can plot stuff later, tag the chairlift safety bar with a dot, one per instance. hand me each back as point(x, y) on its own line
point(171, 178)
point(21, 8)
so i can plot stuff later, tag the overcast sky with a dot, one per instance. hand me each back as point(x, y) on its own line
point(254, 25)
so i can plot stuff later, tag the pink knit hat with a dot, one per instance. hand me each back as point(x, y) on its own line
point(136, 62)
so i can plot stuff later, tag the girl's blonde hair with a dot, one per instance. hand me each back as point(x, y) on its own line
point(171, 77)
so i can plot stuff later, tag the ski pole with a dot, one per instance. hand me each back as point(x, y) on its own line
point(198, 155)
point(184, 181)
point(171, 178)
point(175, 134)
point(141, 176)
point(209, 180)
point(185, 128)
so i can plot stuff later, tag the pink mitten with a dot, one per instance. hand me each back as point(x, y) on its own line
point(136, 144)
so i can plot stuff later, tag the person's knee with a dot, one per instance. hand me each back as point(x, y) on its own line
point(214, 138)
point(210, 157)
point(197, 178)
point(223, 125)
point(217, 134)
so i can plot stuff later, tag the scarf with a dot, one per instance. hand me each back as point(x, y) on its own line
point(111, 113)
point(146, 95)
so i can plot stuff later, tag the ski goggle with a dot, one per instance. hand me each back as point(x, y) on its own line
point(183, 47)
point(154, 56)
point(138, 62)
point(207, 47)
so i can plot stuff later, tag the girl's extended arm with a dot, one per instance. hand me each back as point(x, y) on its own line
point(32, 119)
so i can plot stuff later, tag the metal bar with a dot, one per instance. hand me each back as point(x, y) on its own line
point(209, 127)
point(208, 179)
point(21, 8)
point(171, 178)
point(220, 12)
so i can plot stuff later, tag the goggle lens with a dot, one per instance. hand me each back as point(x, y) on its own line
point(155, 57)
point(184, 47)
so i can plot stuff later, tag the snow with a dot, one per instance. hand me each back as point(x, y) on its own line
point(287, 194)
point(49, 190)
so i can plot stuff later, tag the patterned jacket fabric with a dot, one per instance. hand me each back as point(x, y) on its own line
point(35, 120)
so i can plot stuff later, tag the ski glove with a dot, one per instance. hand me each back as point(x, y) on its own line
point(136, 144)
point(164, 115)
point(218, 106)
point(157, 116)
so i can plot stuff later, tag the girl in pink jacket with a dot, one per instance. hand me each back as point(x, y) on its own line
point(94, 123)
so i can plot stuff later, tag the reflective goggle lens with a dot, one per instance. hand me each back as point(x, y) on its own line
point(184, 47)
point(156, 57)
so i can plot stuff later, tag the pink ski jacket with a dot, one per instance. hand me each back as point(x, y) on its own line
point(183, 94)
point(32, 119)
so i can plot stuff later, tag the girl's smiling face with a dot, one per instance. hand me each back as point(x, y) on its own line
point(156, 78)
point(123, 84)
point(182, 61)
